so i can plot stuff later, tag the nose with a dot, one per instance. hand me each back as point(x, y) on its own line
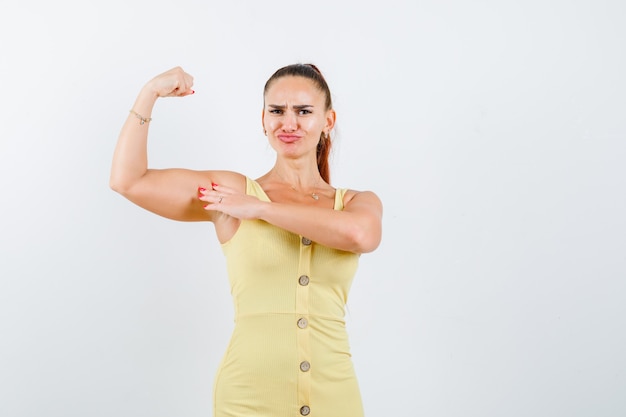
point(290, 122)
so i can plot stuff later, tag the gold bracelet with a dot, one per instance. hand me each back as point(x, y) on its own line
point(142, 120)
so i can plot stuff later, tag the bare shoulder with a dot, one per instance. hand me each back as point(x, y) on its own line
point(354, 198)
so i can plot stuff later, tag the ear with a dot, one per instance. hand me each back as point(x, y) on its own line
point(263, 119)
point(331, 117)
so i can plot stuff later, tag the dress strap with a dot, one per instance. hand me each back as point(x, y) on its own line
point(254, 188)
point(339, 194)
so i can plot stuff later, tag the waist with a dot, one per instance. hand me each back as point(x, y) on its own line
point(288, 315)
point(285, 338)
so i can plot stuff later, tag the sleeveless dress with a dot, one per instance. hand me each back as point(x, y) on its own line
point(289, 353)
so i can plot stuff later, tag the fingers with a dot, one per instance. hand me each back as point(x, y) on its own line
point(230, 201)
point(187, 93)
point(222, 189)
point(212, 196)
point(184, 83)
point(173, 83)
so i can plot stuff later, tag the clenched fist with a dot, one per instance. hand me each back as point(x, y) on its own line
point(172, 83)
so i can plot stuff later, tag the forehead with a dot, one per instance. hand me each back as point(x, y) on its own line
point(293, 89)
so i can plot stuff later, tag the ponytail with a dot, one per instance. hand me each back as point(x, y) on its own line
point(323, 153)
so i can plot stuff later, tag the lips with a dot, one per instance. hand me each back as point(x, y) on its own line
point(288, 138)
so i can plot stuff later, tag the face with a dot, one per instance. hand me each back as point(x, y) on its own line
point(295, 116)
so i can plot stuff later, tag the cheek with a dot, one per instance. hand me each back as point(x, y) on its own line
point(312, 124)
point(271, 123)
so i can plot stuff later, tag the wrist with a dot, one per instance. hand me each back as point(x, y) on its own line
point(264, 210)
point(145, 102)
point(149, 92)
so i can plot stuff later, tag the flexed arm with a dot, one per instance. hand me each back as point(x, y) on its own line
point(171, 193)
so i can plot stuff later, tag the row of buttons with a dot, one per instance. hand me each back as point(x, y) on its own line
point(304, 365)
point(302, 323)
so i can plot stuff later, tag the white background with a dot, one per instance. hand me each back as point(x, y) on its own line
point(493, 131)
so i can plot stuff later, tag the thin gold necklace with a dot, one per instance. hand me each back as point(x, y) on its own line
point(313, 195)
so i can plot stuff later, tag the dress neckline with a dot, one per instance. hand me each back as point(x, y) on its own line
point(337, 205)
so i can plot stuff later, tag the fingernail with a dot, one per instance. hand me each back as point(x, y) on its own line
point(205, 206)
point(193, 91)
point(201, 189)
point(214, 184)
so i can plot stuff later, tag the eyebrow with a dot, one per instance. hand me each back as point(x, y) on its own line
point(297, 106)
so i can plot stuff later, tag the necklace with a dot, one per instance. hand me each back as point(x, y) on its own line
point(313, 195)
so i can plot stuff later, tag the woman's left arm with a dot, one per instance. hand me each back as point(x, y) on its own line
point(357, 228)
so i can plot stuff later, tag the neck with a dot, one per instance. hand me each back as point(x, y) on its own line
point(299, 175)
point(301, 181)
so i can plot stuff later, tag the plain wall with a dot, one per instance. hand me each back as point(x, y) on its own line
point(493, 131)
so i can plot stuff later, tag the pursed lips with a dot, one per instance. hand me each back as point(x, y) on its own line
point(288, 138)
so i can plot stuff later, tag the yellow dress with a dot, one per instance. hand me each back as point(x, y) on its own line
point(289, 353)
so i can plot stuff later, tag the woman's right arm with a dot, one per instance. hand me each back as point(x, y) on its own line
point(171, 193)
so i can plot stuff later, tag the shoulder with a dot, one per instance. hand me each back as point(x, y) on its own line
point(354, 197)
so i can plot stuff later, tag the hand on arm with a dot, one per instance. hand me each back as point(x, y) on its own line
point(232, 202)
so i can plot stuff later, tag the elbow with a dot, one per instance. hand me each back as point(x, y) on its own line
point(364, 239)
point(119, 186)
point(368, 245)
point(114, 186)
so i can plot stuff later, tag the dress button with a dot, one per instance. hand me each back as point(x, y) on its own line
point(303, 280)
point(306, 241)
point(305, 410)
point(305, 366)
point(302, 323)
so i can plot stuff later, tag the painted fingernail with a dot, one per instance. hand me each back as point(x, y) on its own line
point(214, 184)
point(201, 189)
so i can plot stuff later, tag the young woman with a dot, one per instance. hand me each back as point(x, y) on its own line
point(291, 242)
